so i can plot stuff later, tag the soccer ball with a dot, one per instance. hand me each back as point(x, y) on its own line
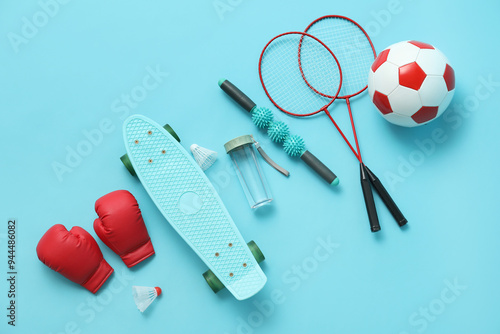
point(411, 83)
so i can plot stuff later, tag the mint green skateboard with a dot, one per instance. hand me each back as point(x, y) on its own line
point(189, 202)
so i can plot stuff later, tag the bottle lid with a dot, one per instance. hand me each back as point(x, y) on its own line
point(238, 142)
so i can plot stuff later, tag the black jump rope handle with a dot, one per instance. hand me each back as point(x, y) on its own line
point(369, 202)
point(386, 198)
point(246, 103)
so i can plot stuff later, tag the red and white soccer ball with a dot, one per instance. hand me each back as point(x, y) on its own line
point(411, 83)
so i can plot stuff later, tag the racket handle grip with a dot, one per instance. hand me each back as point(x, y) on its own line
point(384, 195)
point(320, 168)
point(237, 95)
point(369, 202)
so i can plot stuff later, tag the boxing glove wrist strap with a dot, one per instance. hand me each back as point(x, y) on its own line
point(97, 279)
point(137, 255)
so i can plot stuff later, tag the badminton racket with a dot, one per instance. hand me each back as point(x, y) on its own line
point(302, 77)
point(355, 52)
point(311, 88)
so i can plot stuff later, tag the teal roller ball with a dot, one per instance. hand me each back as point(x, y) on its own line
point(262, 117)
point(294, 145)
point(278, 131)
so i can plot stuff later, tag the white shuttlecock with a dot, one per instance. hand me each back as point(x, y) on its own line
point(144, 296)
point(203, 156)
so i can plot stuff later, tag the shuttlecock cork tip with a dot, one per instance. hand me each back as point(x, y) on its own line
point(158, 291)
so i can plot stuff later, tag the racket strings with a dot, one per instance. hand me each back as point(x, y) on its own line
point(352, 48)
point(296, 72)
point(283, 78)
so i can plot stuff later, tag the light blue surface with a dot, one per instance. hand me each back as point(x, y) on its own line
point(326, 272)
point(184, 195)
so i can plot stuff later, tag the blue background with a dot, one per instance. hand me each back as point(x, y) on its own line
point(70, 75)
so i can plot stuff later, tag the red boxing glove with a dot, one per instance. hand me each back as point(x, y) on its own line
point(121, 227)
point(75, 255)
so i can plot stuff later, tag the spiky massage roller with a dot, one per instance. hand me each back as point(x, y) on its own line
point(262, 117)
point(294, 146)
point(279, 132)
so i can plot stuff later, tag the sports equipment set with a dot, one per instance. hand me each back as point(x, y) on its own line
point(303, 74)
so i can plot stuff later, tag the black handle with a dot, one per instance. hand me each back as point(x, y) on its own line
point(320, 168)
point(384, 195)
point(369, 202)
point(237, 95)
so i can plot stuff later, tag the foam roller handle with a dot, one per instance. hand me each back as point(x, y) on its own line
point(320, 168)
point(237, 95)
point(384, 195)
point(369, 202)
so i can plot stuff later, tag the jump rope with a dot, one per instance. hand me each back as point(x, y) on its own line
point(303, 73)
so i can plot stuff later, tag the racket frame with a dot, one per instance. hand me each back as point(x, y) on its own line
point(303, 34)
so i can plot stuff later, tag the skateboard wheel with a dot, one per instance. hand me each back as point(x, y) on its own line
point(126, 162)
point(257, 253)
point(172, 132)
point(213, 281)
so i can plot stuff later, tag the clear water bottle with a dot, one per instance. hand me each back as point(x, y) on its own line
point(242, 151)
